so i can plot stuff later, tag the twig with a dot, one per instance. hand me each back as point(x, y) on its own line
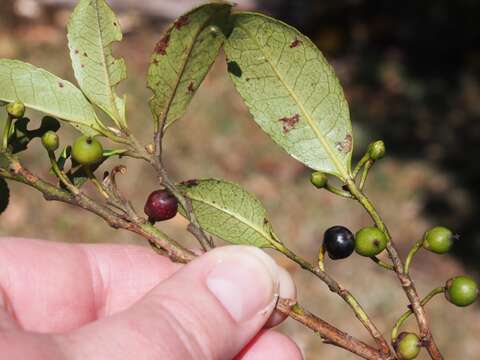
point(177, 253)
point(325, 330)
point(18, 173)
point(406, 315)
point(338, 289)
point(194, 227)
point(405, 280)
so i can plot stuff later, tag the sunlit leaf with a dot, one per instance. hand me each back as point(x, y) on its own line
point(40, 90)
point(92, 29)
point(291, 91)
point(182, 58)
point(228, 211)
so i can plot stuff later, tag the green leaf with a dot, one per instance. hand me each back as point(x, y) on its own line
point(4, 162)
point(4, 195)
point(291, 91)
point(92, 29)
point(182, 58)
point(40, 90)
point(229, 212)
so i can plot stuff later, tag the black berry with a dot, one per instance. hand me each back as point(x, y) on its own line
point(338, 242)
point(161, 205)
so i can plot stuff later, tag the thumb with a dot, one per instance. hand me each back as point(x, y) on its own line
point(210, 309)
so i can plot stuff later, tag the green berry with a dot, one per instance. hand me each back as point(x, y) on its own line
point(438, 240)
point(50, 140)
point(407, 346)
point(376, 150)
point(318, 179)
point(87, 150)
point(16, 109)
point(461, 290)
point(370, 241)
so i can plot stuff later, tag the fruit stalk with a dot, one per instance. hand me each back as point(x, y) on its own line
point(405, 280)
point(406, 314)
point(6, 132)
point(417, 246)
point(335, 287)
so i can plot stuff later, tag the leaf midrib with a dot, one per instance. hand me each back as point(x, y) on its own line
point(109, 86)
point(163, 120)
point(343, 171)
point(239, 218)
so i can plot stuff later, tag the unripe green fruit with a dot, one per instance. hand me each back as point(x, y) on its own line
point(87, 150)
point(438, 240)
point(370, 241)
point(318, 179)
point(407, 346)
point(461, 290)
point(16, 109)
point(50, 140)
point(376, 150)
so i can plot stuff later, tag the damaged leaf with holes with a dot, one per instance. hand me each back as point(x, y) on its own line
point(182, 58)
point(291, 91)
point(92, 29)
point(228, 211)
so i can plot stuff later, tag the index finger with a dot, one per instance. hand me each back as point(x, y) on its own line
point(56, 287)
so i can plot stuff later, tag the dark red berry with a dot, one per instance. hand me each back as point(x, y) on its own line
point(161, 205)
point(338, 242)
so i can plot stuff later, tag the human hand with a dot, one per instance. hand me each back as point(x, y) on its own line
point(60, 301)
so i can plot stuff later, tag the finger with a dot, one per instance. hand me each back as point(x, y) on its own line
point(209, 309)
point(270, 344)
point(55, 287)
point(7, 317)
point(287, 290)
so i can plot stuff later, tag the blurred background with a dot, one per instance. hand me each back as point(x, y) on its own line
point(410, 71)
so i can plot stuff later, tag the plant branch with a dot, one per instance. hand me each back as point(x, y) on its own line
point(335, 287)
point(18, 173)
point(194, 227)
point(405, 280)
point(406, 315)
point(329, 333)
point(168, 247)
